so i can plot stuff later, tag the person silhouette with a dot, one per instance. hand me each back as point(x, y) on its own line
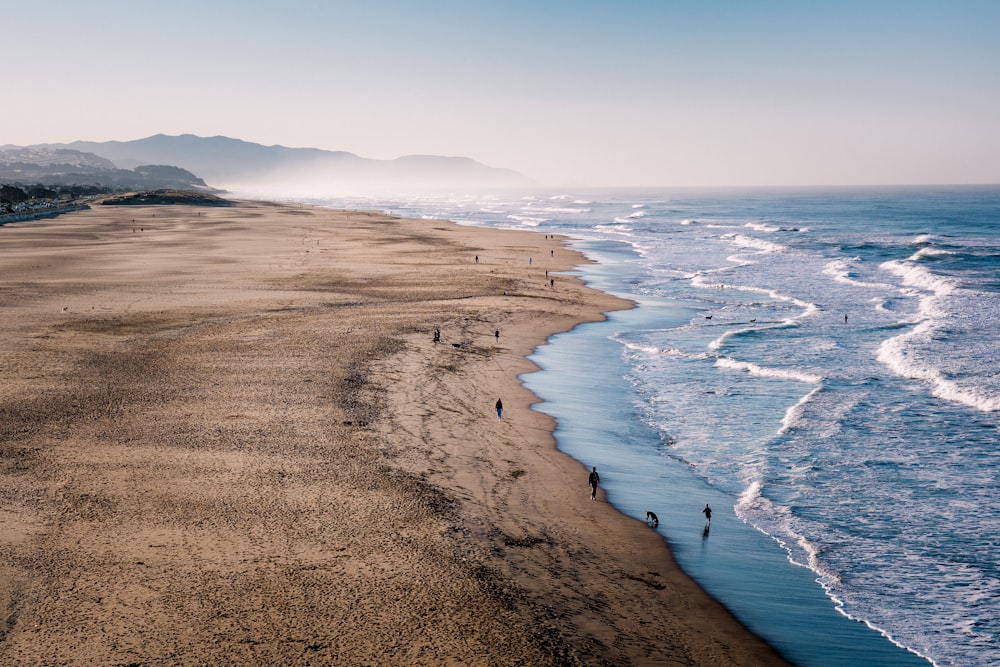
point(594, 479)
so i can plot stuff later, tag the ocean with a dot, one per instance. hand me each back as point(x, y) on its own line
point(821, 366)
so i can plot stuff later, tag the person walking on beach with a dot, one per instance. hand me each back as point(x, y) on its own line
point(594, 479)
point(708, 515)
point(497, 335)
point(499, 407)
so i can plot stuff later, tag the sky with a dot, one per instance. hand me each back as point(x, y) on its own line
point(582, 93)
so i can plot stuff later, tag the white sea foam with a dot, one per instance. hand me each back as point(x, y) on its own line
point(895, 354)
point(530, 221)
point(842, 271)
point(794, 414)
point(645, 348)
point(762, 227)
point(721, 340)
point(930, 252)
point(702, 280)
point(900, 353)
point(915, 275)
point(557, 209)
point(755, 243)
point(761, 371)
point(740, 260)
point(750, 495)
point(777, 522)
point(619, 228)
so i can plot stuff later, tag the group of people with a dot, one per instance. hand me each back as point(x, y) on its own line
point(594, 480)
point(437, 335)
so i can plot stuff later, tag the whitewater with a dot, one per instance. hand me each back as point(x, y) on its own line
point(823, 366)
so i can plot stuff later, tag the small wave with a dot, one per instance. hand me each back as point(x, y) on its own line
point(793, 415)
point(749, 495)
point(756, 244)
point(778, 523)
point(527, 220)
point(923, 239)
point(638, 214)
point(762, 371)
point(840, 269)
point(930, 252)
point(893, 353)
point(761, 227)
point(914, 275)
point(690, 222)
point(700, 279)
point(641, 347)
point(721, 340)
point(617, 228)
point(558, 209)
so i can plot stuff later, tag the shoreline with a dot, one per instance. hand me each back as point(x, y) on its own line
point(249, 446)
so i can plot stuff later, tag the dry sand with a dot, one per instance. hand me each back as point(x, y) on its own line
point(227, 438)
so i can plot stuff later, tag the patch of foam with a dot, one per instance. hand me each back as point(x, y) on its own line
point(763, 371)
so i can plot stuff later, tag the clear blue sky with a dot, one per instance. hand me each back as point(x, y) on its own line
point(618, 92)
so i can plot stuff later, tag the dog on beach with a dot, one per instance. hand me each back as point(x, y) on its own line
point(652, 519)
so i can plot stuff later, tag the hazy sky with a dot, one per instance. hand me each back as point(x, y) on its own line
point(617, 92)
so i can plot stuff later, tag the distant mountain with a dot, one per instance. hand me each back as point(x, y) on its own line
point(59, 166)
point(235, 164)
point(53, 157)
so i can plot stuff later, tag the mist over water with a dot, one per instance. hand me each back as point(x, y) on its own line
point(826, 361)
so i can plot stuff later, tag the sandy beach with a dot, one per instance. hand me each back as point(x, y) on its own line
point(227, 437)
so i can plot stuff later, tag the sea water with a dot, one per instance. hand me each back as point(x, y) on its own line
point(823, 368)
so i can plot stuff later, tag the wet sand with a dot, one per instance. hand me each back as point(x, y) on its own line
point(227, 437)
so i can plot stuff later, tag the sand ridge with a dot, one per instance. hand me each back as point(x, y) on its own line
point(227, 437)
